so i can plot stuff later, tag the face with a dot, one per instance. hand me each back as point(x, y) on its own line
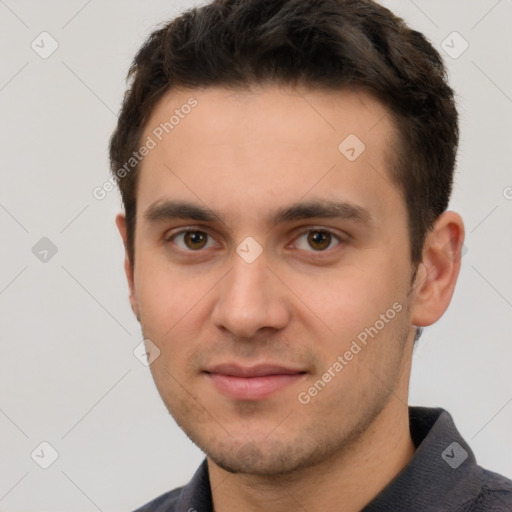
point(272, 271)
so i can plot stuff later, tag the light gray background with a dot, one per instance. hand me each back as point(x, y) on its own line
point(67, 372)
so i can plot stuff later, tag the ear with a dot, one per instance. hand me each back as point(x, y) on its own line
point(128, 267)
point(439, 269)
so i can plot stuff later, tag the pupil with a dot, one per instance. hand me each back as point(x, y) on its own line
point(320, 236)
point(196, 238)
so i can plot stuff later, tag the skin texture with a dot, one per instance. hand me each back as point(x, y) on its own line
point(300, 304)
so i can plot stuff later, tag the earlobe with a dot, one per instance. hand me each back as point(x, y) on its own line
point(128, 267)
point(439, 269)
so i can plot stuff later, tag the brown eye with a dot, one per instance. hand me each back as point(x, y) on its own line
point(319, 240)
point(195, 239)
point(190, 240)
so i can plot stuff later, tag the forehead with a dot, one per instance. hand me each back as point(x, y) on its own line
point(250, 148)
point(252, 115)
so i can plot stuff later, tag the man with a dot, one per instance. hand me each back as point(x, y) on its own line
point(285, 168)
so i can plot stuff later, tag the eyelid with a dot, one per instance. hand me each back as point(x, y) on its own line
point(168, 238)
point(336, 236)
point(203, 229)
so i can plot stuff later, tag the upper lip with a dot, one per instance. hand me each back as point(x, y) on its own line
point(259, 370)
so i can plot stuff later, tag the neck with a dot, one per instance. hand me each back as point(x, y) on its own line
point(346, 482)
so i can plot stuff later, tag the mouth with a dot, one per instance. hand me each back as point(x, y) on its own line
point(252, 383)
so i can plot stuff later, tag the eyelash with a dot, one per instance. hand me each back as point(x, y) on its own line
point(170, 239)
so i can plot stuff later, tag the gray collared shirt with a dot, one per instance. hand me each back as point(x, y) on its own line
point(443, 476)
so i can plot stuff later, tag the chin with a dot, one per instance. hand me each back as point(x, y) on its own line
point(264, 458)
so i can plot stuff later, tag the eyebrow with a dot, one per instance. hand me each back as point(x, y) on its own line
point(325, 209)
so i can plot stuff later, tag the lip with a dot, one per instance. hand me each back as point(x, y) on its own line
point(252, 383)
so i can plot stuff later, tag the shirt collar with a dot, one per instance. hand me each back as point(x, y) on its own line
point(442, 469)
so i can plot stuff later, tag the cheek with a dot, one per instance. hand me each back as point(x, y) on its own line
point(160, 297)
point(171, 306)
point(353, 299)
point(163, 291)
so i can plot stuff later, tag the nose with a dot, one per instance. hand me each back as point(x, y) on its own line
point(250, 298)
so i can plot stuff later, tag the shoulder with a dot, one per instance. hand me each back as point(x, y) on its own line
point(495, 494)
point(165, 503)
point(193, 497)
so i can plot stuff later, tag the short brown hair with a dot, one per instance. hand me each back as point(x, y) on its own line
point(325, 44)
